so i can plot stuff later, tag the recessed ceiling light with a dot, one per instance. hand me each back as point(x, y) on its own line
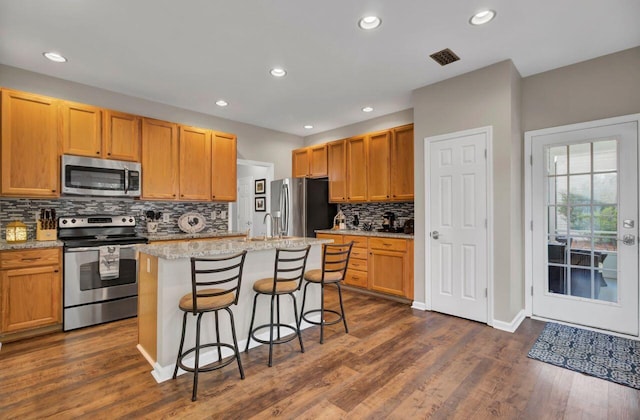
point(54, 57)
point(278, 72)
point(367, 109)
point(482, 17)
point(222, 102)
point(308, 126)
point(369, 22)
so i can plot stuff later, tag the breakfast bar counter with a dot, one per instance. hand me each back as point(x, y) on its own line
point(165, 276)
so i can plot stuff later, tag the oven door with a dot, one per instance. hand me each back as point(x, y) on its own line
point(82, 283)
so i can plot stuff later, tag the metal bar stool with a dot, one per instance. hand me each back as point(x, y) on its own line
point(287, 279)
point(225, 275)
point(335, 259)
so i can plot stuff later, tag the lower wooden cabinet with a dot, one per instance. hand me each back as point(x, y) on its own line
point(380, 264)
point(30, 291)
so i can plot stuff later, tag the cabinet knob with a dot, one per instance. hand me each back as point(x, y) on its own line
point(97, 153)
point(174, 195)
point(387, 196)
point(108, 154)
point(181, 195)
point(53, 190)
point(56, 271)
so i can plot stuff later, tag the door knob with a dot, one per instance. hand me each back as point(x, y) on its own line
point(435, 234)
point(629, 239)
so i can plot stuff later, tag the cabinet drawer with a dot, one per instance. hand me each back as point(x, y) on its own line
point(388, 244)
point(358, 241)
point(28, 258)
point(337, 239)
point(360, 253)
point(356, 278)
point(358, 264)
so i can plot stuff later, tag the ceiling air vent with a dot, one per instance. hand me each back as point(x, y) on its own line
point(444, 57)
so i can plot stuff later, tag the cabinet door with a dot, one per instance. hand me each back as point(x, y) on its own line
point(224, 173)
point(337, 239)
point(402, 164)
point(378, 159)
point(31, 297)
point(122, 136)
point(357, 169)
point(81, 129)
point(30, 145)
point(337, 171)
point(159, 160)
point(388, 271)
point(195, 164)
point(318, 161)
point(300, 163)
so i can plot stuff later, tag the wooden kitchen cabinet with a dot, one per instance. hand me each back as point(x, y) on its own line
point(337, 171)
point(357, 179)
point(224, 167)
point(309, 162)
point(378, 188)
point(159, 160)
point(389, 266)
point(81, 129)
point(300, 163)
point(195, 164)
point(30, 292)
point(402, 163)
point(30, 145)
point(121, 136)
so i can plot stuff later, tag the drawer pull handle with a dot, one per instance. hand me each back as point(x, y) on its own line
point(30, 259)
point(386, 244)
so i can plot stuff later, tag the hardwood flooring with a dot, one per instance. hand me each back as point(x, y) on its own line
point(395, 363)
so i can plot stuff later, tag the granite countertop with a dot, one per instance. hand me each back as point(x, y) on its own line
point(366, 233)
point(30, 245)
point(188, 249)
point(201, 235)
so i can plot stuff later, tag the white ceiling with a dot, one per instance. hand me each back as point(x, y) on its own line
point(190, 53)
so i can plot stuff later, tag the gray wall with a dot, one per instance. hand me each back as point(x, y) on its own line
point(486, 97)
point(606, 86)
point(254, 143)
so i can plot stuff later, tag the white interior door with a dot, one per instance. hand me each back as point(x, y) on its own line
point(584, 195)
point(245, 204)
point(457, 202)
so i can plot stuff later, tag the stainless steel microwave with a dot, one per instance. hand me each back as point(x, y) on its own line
point(101, 177)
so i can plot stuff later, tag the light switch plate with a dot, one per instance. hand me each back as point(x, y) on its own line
point(213, 215)
point(165, 217)
point(223, 214)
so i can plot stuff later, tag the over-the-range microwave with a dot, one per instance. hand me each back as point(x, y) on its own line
point(101, 177)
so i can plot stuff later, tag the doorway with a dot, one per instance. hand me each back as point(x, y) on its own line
point(458, 223)
point(582, 203)
point(242, 213)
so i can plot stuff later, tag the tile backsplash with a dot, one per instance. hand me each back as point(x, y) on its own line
point(25, 210)
point(372, 213)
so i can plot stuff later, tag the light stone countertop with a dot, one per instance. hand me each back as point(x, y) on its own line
point(32, 244)
point(188, 249)
point(366, 233)
point(201, 235)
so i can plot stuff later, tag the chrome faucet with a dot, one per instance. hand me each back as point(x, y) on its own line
point(265, 224)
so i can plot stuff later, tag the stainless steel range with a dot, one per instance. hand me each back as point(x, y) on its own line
point(100, 269)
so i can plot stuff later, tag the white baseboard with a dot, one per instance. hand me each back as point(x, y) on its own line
point(510, 326)
point(421, 306)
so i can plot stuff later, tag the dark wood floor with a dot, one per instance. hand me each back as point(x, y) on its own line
point(395, 363)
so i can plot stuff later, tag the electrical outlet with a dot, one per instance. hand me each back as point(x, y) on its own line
point(223, 214)
point(213, 215)
point(165, 217)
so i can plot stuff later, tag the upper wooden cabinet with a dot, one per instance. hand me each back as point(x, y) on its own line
point(159, 160)
point(81, 129)
point(357, 169)
point(402, 163)
point(379, 159)
point(310, 162)
point(121, 136)
point(30, 145)
point(223, 167)
point(337, 171)
point(195, 164)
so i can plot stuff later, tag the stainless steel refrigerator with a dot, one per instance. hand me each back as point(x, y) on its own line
point(303, 205)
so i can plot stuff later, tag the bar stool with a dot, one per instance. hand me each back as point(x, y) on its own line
point(225, 274)
point(335, 259)
point(287, 279)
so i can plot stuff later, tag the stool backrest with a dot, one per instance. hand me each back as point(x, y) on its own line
point(335, 258)
point(224, 274)
point(290, 265)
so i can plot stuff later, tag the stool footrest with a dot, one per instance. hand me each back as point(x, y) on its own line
point(286, 339)
point(322, 322)
point(211, 366)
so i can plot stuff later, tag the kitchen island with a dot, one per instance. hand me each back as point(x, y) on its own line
point(165, 276)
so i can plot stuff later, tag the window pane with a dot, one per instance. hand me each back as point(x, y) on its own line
point(557, 163)
point(557, 189)
point(608, 277)
point(558, 219)
point(605, 219)
point(605, 156)
point(580, 158)
point(581, 282)
point(580, 189)
point(557, 280)
point(605, 188)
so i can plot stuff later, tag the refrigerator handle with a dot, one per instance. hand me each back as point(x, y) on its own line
point(285, 210)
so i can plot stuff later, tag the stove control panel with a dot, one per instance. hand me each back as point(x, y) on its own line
point(95, 221)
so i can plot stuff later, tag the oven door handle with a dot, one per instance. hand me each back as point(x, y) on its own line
point(96, 248)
